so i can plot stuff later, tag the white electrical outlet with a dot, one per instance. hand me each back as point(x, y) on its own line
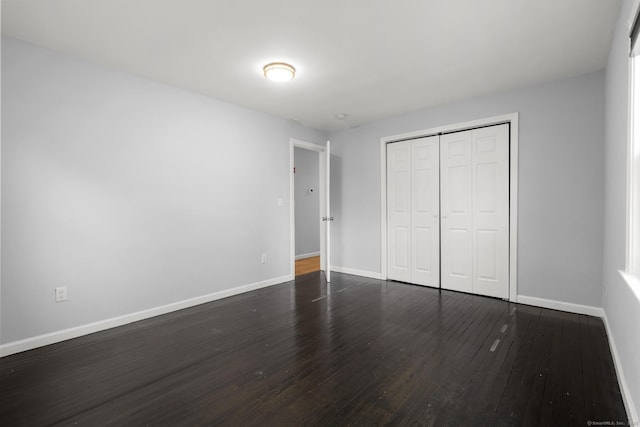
point(61, 294)
point(263, 259)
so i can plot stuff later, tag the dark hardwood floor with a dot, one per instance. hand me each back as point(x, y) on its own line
point(364, 352)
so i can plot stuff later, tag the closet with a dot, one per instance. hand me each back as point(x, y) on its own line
point(448, 211)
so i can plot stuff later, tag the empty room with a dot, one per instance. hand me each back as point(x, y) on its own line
point(418, 212)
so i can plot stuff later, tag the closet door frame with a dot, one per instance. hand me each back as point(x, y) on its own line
point(512, 120)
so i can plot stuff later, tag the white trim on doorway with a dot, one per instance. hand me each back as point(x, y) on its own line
point(512, 119)
point(293, 143)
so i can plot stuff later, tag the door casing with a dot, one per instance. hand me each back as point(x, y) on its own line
point(512, 119)
point(323, 194)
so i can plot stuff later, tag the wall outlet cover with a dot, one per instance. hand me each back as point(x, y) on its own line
point(61, 294)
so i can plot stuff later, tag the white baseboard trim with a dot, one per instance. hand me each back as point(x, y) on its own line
point(363, 273)
point(66, 334)
point(632, 413)
point(309, 255)
point(560, 305)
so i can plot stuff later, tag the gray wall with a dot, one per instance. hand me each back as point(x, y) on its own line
point(131, 193)
point(561, 188)
point(621, 304)
point(307, 202)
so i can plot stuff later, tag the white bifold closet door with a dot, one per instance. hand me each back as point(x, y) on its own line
point(448, 211)
point(474, 180)
point(413, 227)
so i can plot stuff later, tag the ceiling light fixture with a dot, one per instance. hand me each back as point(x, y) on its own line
point(279, 72)
point(341, 116)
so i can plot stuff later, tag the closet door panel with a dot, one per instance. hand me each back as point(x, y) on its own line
point(448, 211)
point(491, 211)
point(425, 212)
point(456, 211)
point(399, 211)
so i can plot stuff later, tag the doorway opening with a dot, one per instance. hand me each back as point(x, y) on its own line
point(306, 176)
point(309, 207)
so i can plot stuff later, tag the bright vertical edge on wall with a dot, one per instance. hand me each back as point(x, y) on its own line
point(1, 189)
point(292, 212)
point(632, 262)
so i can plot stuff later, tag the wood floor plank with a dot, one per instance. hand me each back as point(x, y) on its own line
point(356, 351)
point(570, 407)
point(472, 378)
point(540, 359)
point(589, 374)
point(502, 395)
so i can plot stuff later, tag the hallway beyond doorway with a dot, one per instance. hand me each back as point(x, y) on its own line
point(307, 265)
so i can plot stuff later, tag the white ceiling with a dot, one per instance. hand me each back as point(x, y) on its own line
point(370, 59)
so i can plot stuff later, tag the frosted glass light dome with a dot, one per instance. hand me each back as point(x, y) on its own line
point(279, 72)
